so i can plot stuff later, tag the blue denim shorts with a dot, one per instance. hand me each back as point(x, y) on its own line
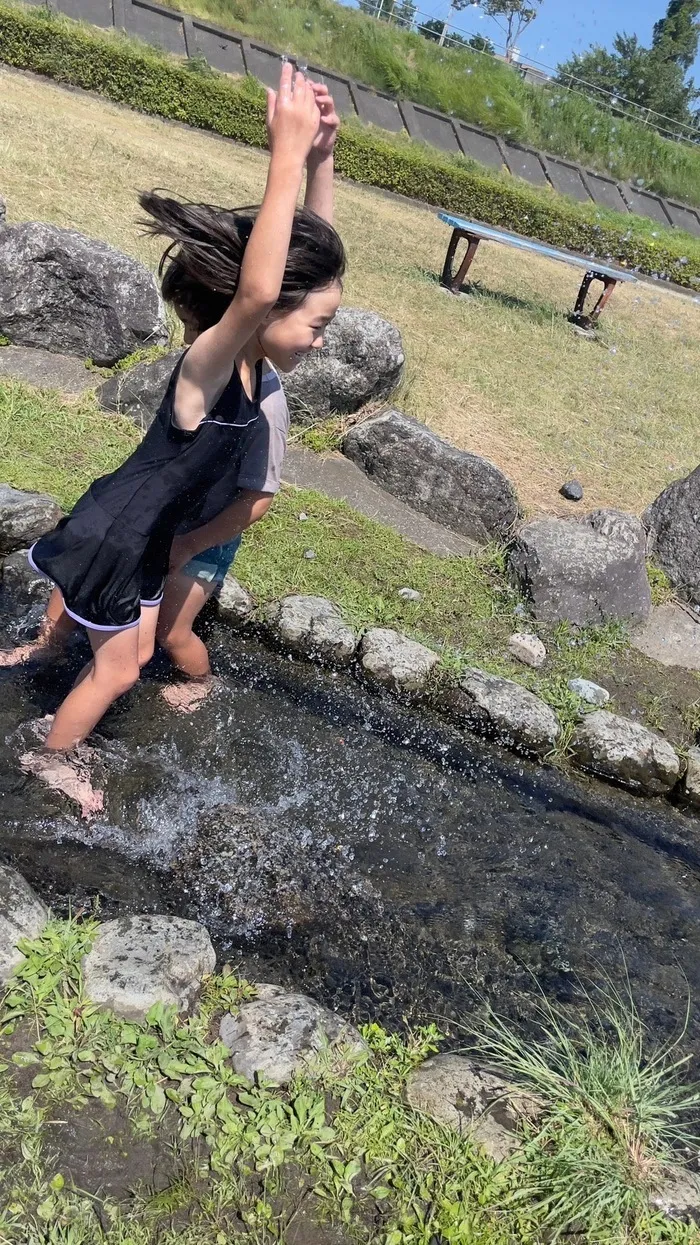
point(212, 565)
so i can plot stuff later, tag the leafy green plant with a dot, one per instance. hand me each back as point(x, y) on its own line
point(661, 586)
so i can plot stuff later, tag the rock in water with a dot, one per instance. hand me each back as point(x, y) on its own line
point(361, 361)
point(626, 752)
point(395, 661)
point(312, 626)
point(234, 601)
point(460, 490)
point(527, 648)
point(278, 1033)
point(572, 490)
point(457, 1092)
point(22, 915)
point(672, 523)
point(138, 961)
point(139, 391)
point(23, 582)
point(586, 572)
point(24, 517)
point(76, 295)
point(511, 714)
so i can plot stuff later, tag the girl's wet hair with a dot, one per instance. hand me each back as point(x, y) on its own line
point(201, 267)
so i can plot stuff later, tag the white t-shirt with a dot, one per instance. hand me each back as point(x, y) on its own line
point(261, 468)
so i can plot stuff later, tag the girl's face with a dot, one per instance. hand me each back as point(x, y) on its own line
point(286, 337)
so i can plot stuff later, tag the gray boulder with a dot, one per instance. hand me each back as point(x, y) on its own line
point(672, 523)
point(678, 1197)
point(234, 601)
point(462, 491)
point(312, 626)
point(458, 1093)
point(21, 580)
point(395, 661)
point(139, 391)
point(626, 752)
point(75, 295)
point(3, 211)
point(22, 915)
point(362, 361)
point(586, 572)
point(24, 517)
point(138, 961)
point(279, 1033)
point(505, 710)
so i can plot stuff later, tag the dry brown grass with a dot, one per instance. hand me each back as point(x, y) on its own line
point(499, 372)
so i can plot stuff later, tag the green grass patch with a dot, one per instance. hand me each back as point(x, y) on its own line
point(130, 73)
point(339, 1148)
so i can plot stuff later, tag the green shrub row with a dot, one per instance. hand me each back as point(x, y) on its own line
point(130, 73)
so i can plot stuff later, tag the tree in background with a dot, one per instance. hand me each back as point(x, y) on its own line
point(481, 44)
point(652, 78)
point(404, 13)
point(676, 35)
point(512, 17)
point(435, 29)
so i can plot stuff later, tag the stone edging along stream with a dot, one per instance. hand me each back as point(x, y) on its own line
point(603, 743)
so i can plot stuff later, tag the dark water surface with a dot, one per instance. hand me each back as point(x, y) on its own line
point(379, 860)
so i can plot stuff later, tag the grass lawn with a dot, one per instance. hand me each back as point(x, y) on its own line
point(499, 372)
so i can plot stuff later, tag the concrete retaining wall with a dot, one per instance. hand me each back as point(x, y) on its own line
point(235, 54)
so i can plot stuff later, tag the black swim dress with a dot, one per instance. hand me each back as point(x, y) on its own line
point(110, 556)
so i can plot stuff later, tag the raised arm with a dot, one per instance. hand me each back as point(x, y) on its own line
point(319, 164)
point(293, 124)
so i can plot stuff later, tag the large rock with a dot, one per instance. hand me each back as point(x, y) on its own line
point(457, 1092)
point(24, 517)
point(361, 361)
point(626, 752)
point(312, 626)
point(691, 781)
point(19, 578)
point(22, 915)
point(672, 523)
point(138, 961)
point(508, 712)
point(460, 490)
point(395, 661)
point(3, 211)
point(279, 1033)
point(139, 391)
point(586, 572)
point(75, 295)
point(234, 601)
point(678, 1197)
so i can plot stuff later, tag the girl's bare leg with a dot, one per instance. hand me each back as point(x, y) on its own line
point(183, 600)
point(55, 629)
point(63, 763)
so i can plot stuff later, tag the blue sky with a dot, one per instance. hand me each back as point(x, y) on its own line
point(566, 26)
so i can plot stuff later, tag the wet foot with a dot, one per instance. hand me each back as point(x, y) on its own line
point(186, 697)
point(66, 772)
point(16, 656)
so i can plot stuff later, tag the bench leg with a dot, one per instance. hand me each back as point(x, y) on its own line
point(472, 246)
point(455, 283)
point(578, 316)
point(446, 278)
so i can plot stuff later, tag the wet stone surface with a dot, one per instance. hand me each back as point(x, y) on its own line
point(440, 865)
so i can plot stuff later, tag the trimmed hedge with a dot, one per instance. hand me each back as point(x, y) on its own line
point(130, 73)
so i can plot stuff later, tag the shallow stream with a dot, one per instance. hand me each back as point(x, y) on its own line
point(379, 860)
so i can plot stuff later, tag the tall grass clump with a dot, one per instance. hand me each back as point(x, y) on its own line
point(463, 83)
point(616, 1117)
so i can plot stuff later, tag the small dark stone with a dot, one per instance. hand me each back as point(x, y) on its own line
point(572, 490)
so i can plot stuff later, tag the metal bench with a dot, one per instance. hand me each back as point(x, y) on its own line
point(473, 232)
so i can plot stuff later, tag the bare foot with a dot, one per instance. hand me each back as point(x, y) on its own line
point(16, 656)
point(68, 773)
point(186, 697)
